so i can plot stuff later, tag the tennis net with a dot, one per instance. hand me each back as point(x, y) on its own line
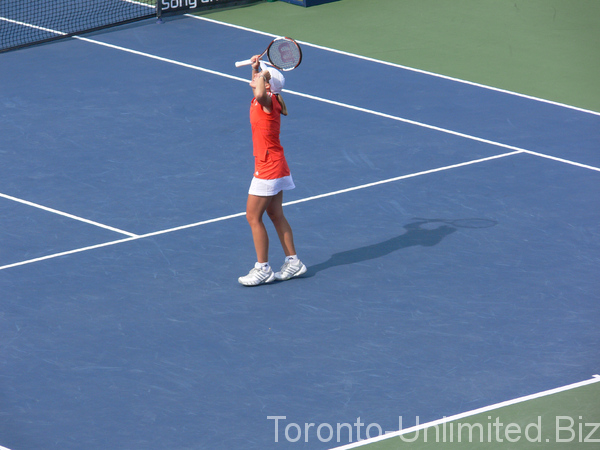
point(27, 22)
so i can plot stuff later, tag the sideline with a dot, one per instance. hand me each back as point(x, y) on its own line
point(515, 150)
point(411, 69)
point(594, 379)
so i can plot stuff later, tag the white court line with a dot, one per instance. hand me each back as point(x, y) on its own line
point(70, 216)
point(241, 214)
point(120, 241)
point(140, 3)
point(353, 55)
point(332, 102)
point(136, 237)
point(516, 150)
point(403, 177)
point(444, 130)
point(48, 30)
point(594, 379)
point(336, 103)
point(399, 66)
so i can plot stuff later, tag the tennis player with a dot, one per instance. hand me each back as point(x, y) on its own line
point(271, 177)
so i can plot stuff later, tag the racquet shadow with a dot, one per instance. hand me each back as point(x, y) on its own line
point(423, 232)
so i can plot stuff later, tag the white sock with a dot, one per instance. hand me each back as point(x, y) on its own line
point(291, 258)
point(264, 266)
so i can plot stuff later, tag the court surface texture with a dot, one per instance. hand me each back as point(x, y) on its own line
point(450, 230)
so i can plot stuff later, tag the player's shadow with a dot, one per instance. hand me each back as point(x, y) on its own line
point(423, 232)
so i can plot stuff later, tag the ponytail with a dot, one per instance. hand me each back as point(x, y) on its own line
point(284, 110)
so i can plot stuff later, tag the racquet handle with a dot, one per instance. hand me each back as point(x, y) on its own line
point(243, 63)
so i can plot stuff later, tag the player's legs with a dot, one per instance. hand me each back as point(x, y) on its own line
point(284, 230)
point(255, 208)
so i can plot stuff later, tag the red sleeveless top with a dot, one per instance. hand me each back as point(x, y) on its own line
point(269, 159)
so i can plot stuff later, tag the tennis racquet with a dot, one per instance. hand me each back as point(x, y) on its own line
point(283, 53)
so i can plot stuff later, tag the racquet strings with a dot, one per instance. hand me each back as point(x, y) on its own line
point(284, 54)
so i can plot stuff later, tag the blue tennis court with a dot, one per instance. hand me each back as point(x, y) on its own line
point(450, 231)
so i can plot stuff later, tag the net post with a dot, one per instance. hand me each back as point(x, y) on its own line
point(159, 19)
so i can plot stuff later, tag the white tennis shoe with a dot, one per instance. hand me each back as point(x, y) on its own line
point(290, 269)
point(257, 276)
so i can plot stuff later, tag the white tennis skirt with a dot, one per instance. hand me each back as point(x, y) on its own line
point(267, 188)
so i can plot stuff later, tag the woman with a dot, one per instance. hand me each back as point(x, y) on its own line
point(271, 177)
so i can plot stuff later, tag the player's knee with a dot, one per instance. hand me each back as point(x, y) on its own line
point(253, 218)
point(275, 215)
